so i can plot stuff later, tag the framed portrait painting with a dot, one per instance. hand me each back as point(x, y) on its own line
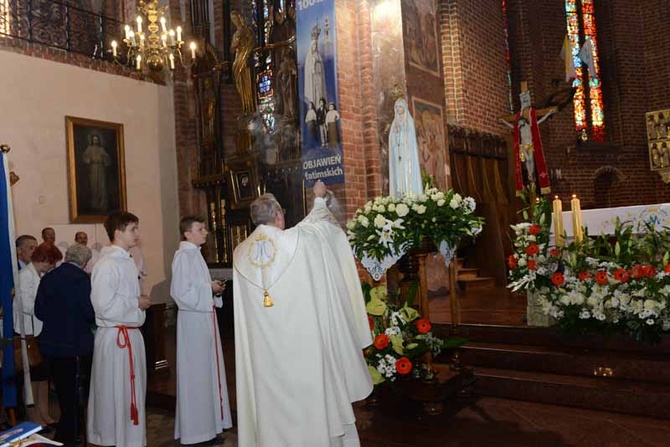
point(96, 169)
point(429, 123)
point(243, 183)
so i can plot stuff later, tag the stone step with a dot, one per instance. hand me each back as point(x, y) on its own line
point(597, 393)
point(647, 367)
point(477, 282)
point(467, 272)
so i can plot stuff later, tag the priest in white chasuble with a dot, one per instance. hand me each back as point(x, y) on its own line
point(300, 327)
point(116, 405)
point(203, 410)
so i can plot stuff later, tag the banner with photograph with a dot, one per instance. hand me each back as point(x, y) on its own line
point(317, 89)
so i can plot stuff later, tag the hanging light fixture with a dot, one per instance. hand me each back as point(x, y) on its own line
point(151, 43)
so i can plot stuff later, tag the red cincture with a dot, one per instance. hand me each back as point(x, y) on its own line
point(123, 342)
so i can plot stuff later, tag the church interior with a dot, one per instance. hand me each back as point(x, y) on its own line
point(222, 115)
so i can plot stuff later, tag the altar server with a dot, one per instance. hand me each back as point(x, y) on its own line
point(116, 407)
point(203, 410)
point(300, 327)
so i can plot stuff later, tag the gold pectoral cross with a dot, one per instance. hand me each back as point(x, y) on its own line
point(267, 300)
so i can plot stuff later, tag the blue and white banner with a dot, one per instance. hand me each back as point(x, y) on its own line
point(317, 89)
point(8, 278)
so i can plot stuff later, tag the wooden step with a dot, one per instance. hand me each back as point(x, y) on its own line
point(467, 272)
point(618, 395)
point(647, 367)
point(477, 282)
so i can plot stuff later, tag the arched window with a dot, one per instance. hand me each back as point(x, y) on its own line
point(583, 41)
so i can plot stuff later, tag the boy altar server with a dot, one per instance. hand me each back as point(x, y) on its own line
point(116, 415)
point(203, 410)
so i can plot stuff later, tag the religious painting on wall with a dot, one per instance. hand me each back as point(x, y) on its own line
point(317, 91)
point(421, 34)
point(244, 186)
point(96, 169)
point(429, 123)
point(658, 138)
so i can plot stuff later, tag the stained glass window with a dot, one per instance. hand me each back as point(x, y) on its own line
point(264, 63)
point(4, 16)
point(588, 99)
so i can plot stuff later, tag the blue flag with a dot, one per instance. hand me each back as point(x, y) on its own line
point(8, 275)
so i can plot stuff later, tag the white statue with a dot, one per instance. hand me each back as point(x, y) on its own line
point(404, 168)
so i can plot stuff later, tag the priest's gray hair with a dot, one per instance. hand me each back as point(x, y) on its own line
point(78, 254)
point(264, 209)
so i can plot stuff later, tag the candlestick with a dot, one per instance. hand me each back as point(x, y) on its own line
point(576, 219)
point(164, 39)
point(163, 24)
point(139, 24)
point(193, 50)
point(171, 61)
point(558, 221)
point(171, 33)
point(131, 34)
point(179, 34)
point(139, 62)
point(114, 44)
point(127, 30)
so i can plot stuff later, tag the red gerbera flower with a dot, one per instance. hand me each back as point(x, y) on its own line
point(534, 230)
point(532, 249)
point(601, 277)
point(371, 322)
point(382, 341)
point(666, 269)
point(403, 365)
point(532, 264)
point(583, 276)
point(423, 325)
point(554, 253)
point(511, 262)
point(621, 275)
point(649, 271)
point(557, 278)
point(636, 271)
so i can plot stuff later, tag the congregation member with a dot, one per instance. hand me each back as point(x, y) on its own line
point(116, 406)
point(49, 235)
point(43, 259)
point(25, 246)
point(63, 304)
point(81, 238)
point(203, 410)
point(300, 327)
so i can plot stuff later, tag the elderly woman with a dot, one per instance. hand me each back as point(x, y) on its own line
point(43, 259)
point(64, 305)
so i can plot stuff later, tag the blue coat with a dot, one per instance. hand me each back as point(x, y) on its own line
point(63, 304)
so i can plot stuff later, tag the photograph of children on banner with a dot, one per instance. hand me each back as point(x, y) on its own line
point(317, 89)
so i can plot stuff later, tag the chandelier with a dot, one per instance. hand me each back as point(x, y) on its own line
point(152, 43)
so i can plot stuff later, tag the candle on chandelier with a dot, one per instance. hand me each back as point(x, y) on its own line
point(142, 40)
point(139, 62)
point(114, 44)
point(139, 24)
point(164, 39)
point(179, 34)
point(193, 50)
point(127, 30)
point(576, 219)
point(163, 24)
point(171, 61)
point(132, 38)
point(171, 37)
point(557, 206)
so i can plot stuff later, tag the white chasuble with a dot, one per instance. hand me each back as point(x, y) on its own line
point(116, 411)
point(299, 362)
point(203, 410)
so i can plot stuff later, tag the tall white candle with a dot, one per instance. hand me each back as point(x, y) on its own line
point(171, 61)
point(139, 24)
point(163, 24)
point(179, 34)
point(139, 62)
point(114, 47)
point(193, 50)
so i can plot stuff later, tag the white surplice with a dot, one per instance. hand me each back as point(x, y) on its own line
point(203, 410)
point(114, 294)
point(299, 363)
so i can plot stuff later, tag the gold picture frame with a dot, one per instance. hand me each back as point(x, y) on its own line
point(244, 185)
point(96, 169)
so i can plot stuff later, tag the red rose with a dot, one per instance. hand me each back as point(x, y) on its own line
point(557, 278)
point(423, 325)
point(601, 277)
point(532, 249)
point(621, 275)
point(554, 253)
point(403, 365)
point(532, 264)
point(382, 341)
point(583, 276)
point(371, 322)
point(534, 230)
point(511, 262)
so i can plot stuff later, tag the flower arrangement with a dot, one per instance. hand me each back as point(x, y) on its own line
point(618, 282)
point(386, 227)
point(401, 339)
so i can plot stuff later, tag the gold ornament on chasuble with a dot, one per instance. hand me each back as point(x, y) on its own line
point(261, 254)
